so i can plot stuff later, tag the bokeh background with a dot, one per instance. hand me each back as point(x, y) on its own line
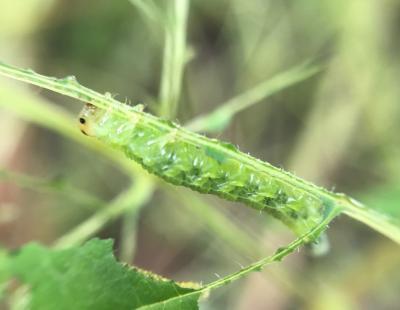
point(338, 128)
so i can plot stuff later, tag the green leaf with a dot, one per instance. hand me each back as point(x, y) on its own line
point(89, 277)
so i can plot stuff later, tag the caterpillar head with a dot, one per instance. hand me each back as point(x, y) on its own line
point(88, 119)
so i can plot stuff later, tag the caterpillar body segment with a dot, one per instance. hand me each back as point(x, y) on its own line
point(212, 167)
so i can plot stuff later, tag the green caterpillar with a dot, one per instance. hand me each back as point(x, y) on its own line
point(206, 165)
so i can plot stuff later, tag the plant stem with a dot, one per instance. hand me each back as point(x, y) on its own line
point(259, 265)
point(280, 253)
point(70, 87)
point(218, 119)
point(130, 200)
point(380, 222)
point(174, 58)
point(128, 235)
point(148, 9)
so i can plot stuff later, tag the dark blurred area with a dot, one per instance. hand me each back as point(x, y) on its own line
point(338, 128)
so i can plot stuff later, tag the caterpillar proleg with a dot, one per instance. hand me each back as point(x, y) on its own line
point(207, 165)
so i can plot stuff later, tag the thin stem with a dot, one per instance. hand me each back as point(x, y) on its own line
point(131, 200)
point(259, 265)
point(129, 235)
point(148, 9)
point(232, 234)
point(280, 253)
point(72, 88)
point(174, 58)
point(57, 186)
point(221, 116)
point(380, 222)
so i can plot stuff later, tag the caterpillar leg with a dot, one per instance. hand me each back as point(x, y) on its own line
point(139, 107)
point(320, 246)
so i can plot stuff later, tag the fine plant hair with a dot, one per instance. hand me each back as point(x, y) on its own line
point(208, 166)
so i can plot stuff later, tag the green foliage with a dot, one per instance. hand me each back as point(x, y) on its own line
point(88, 277)
point(328, 129)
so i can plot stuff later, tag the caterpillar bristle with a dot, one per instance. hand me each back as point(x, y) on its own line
point(212, 167)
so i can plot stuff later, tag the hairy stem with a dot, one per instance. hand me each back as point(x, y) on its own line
point(70, 87)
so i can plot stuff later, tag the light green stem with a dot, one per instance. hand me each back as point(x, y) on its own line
point(259, 265)
point(148, 9)
point(129, 235)
point(129, 200)
point(380, 222)
point(279, 254)
point(174, 58)
point(72, 88)
point(221, 116)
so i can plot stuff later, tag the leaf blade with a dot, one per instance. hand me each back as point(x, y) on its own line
point(88, 277)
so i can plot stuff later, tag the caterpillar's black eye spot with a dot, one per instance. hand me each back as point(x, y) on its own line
point(82, 120)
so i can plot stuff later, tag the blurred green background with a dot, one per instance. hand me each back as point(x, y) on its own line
point(338, 128)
